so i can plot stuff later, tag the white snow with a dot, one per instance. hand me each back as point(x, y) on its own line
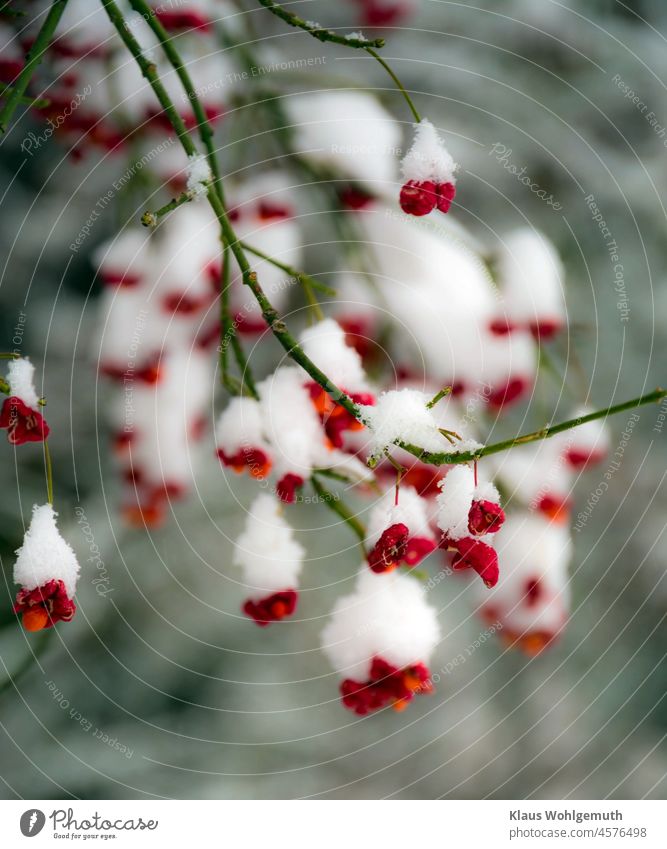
point(241, 426)
point(385, 616)
point(291, 423)
point(402, 415)
point(199, 174)
point(457, 490)
point(21, 380)
point(428, 158)
point(411, 510)
point(324, 343)
point(44, 555)
point(267, 552)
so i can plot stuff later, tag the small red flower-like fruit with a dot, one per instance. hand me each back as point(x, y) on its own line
point(390, 549)
point(44, 606)
point(474, 554)
point(273, 608)
point(485, 517)
point(387, 685)
point(420, 198)
point(23, 424)
point(287, 486)
point(256, 461)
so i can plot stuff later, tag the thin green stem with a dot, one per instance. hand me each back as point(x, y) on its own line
point(37, 649)
point(334, 503)
point(300, 276)
point(214, 192)
point(397, 82)
point(25, 100)
point(12, 355)
point(48, 470)
point(247, 379)
point(440, 395)
point(33, 59)
point(151, 219)
point(269, 313)
point(203, 124)
point(318, 32)
point(550, 430)
point(313, 303)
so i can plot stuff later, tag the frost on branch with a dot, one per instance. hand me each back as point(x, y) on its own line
point(271, 560)
point(199, 175)
point(47, 570)
point(379, 640)
point(401, 415)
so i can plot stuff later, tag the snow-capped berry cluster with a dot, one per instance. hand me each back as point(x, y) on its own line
point(469, 514)
point(429, 172)
point(294, 426)
point(271, 560)
point(466, 324)
point(399, 531)
point(379, 640)
point(20, 415)
point(47, 570)
point(46, 567)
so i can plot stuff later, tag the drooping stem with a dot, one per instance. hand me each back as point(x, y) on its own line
point(248, 382)
point(318, 32)
point(550, 430)
point(226, 379)
point(11, 355)
point(214, 192)
point(334, 503)
point(203, 125)
point(48, 471)
point(300, 276)
point(33, 59)
point(270, 314)
point(397, 82)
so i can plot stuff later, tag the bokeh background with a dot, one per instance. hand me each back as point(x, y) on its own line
point(169, 691)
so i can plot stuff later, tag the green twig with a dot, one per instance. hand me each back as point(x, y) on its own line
point(396, 80)
point(203, 124)
point(550, 430)
point(300, 276)
point(151, 219)
point(269, 313)
point(33, 59)
point(443, 392)
point(334, 503)
point(48, 469)
point(318, 32)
